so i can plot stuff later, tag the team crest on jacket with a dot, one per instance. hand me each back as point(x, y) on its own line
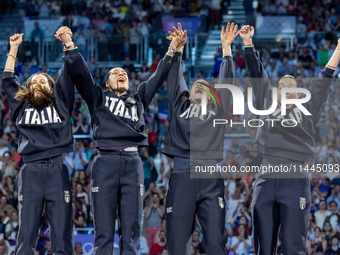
point(67, 196)
point(302, 203)
point(221, 202)
point(141, 190)
point(131, 100)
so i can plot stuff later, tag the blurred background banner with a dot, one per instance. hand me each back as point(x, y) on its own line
point(191, 24)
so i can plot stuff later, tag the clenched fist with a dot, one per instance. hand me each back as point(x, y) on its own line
point(64, 34)
point(15, 40)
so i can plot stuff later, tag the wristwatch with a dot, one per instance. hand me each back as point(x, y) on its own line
point(69, 44)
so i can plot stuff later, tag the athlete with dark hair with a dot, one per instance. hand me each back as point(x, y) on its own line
point(282, 200)
point(192, 141)
point(118, 122)
point(41, 112)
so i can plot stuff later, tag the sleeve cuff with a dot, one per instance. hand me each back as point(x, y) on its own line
point(227, 57)
point(329, 70)
point(71, 51)
point(249, 48)
point(169, 55)
point(8, 73)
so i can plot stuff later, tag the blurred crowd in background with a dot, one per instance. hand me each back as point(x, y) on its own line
point(131, 17)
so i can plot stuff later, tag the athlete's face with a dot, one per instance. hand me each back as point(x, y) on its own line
point(39, 80)
point(118, 80)
point(287, 83)
point(196, 92)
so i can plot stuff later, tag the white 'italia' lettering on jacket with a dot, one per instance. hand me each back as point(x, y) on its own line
point(45, 116)
point(117, 107)
point(195, 111)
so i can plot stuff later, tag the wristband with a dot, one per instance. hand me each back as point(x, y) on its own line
point(10, 55)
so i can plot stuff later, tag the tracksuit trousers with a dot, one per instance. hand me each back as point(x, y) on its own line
point(281, 201)
point(188, 196)
point(117, 180)
point(45, 181)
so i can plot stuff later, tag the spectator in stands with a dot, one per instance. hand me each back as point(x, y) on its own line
point(44, 10)
point(79, 158)
point(80, 40)
point(204, 10)
point(148, 165)
point(144, 27)
point(165, 252)
point(256, 157)
point(305, 58)
point(15, 155)
point(36, 37)
point(8, 167)
point(321, 214)
point(12, 227)
point(248, 7)
point(160, 245)
point(144, 73)
point(154, 64)
point(29, 9)
point(78, 215)
point(81, 127)
point(83, 20)
point(163, 226)
point(128, 65)
point(154, 214)
point(140, 14)
point(196, 242)
point(78, 249)
point(5, 209)
point(48, 247)
point(167, 8)
point(320, 189)
point(3, 149)
point(335, 195)
point(269, 8)
point(91, 150)
point(334, 218)
point(241, 243)
point(234, 201)
point(334, 249)
point(328, 232)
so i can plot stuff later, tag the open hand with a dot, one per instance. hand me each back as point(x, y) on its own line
point(178, 38)
point(229, 34)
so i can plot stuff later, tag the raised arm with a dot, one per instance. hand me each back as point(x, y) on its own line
point(319, 85)
point(227, 68)
point(148, 89)
point(78, 71)
point(10, 82)
point(257, 73)
point(64, 87)
point(175, 81)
